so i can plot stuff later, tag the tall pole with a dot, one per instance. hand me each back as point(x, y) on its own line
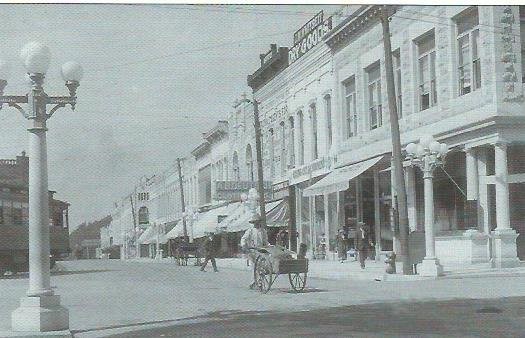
point(396, 145)
point(182, 202)
point(135, 227)
point(258, 149)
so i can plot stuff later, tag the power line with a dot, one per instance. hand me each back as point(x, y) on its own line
point(235, 10)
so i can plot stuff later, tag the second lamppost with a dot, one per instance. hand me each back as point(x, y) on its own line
point(40, 311)
point(427, 155)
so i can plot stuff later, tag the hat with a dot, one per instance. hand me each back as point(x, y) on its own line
point(256, 219)
point(361, 224)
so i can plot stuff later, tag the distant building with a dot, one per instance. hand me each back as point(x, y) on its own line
point(14, 216)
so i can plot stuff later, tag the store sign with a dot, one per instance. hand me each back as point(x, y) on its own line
point(310, 40)
point(232, 190)
point(275, 116)
point(308, 27)
point(280, 190)
point(314, 169)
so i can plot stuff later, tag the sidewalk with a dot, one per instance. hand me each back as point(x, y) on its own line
point(350, 269)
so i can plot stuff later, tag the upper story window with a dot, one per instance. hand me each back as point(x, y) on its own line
point(300, 119)
point(375, 107)
point(292, 142)
point(235, 167)
point(396, 63)
point(426, 50)
point(143, 196)
point(328, 110)
point(272, 155)
point(143, 215)
point(350, 107)
point(282, 125)
point(313, 118)
point(469, 67)
point(249, 163)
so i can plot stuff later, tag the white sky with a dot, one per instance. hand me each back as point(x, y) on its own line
point(155, 78)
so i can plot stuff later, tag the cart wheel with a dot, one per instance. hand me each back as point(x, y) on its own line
point(263, 274)
point(297, 280)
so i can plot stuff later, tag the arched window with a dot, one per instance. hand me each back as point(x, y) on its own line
point(283, 147)
point(292, 141)
point(300, 117)
point(328, 110)
point(313, 119)
point(143, 215)
point(249, 162)
point(235, 167)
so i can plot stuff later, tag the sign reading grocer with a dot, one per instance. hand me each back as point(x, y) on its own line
point(310, 40)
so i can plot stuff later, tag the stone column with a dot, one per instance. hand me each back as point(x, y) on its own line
point(410, 182)
point(504, 237)
point(430, 265)
point(377, 215)
point(299, 214)
point(471, 207)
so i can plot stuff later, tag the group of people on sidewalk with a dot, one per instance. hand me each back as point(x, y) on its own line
point(362, 241)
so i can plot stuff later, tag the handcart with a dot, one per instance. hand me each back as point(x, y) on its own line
point(271, 262)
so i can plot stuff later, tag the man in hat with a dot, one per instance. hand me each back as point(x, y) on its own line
point(210, 248)
point(254, 237)
point(363, 242)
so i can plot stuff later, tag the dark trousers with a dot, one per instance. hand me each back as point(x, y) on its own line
point(211, 258)
point(363, 253)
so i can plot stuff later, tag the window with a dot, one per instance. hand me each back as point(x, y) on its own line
point(271, 142)
point(328, 110)
point(292, 141)
point(235, 167)
point(283, 147)
point(469, 67)
point(313, 118)
point(350, 107)
point(143, 215)
point(396, 60)
point(300, 117)
point(522, 34)
point(426, 50)
point(249, 163)
point(374, 96)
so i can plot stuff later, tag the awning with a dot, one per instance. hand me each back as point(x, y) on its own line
point(176, 231)
point(209, 221)
point(338, 180)
point(146, 235)
point(279, 216)
point(239, 220)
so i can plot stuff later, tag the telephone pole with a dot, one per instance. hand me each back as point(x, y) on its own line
point(397, 161)
point(258, 149)
point(182, 202)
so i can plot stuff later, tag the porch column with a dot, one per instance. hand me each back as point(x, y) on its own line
point(504, 237)
point(471, 207)
point(326, 222)
point(358, 204)
point(377, 214)
point(299, 214)
point(311, 201)
point(410, 182)
point(483, 214)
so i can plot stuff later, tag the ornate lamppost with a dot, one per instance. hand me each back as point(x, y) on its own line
point(427, 155)
point(40, 311)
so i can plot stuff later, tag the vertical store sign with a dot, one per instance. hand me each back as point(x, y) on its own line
point(309, 36)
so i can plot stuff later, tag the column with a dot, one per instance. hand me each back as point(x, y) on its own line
point(471, 207)
point(410, 183)
point(483, 214)
point(311, 207)
point(326, 222)
point(299, 214)
point(504, 237)
point(430, 265)
point(377, 214)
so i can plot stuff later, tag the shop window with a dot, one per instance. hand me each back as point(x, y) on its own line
point(396, 60)
point(17, 215)
point(350, 107)
point(375, 107)
point(313, 119)
point(328, 110)
point(469, 67)
point(426, 50)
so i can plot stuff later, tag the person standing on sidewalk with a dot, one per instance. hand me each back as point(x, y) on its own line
point(341, 245)
point(210, 249)
point(363, 243)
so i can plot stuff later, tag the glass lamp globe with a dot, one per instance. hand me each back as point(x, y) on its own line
point(411, 148)
point(72, 71)
point(244, 197)
point(435, 147)
point(420, 150)
point(36, 57)
point(4, 70)
point(426, 140)
point(443, 149)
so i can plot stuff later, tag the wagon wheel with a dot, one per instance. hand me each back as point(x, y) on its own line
point(297, 280)
point(263, 274)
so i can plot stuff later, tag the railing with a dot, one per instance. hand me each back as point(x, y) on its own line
point(7, 162)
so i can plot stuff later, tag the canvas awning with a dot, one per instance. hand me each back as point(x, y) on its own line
point(209, 221)
point(338, 180)
point(149, 236)
point(240, 219)
point(279, 215)
point(176, 231)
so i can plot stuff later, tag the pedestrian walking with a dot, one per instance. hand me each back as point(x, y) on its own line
point(210, 250)
point(363, 243)
point(341, 245)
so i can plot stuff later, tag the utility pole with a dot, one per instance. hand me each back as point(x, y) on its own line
point(258, 149)
point(183, 204)
point(397, 161)
point(135, 230)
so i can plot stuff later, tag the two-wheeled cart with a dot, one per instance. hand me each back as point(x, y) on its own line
point(267, 268)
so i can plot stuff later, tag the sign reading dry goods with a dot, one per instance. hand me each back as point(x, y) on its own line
point(309, 38)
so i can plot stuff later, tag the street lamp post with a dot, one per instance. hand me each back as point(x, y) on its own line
point(40, 311)
point(427, 155)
